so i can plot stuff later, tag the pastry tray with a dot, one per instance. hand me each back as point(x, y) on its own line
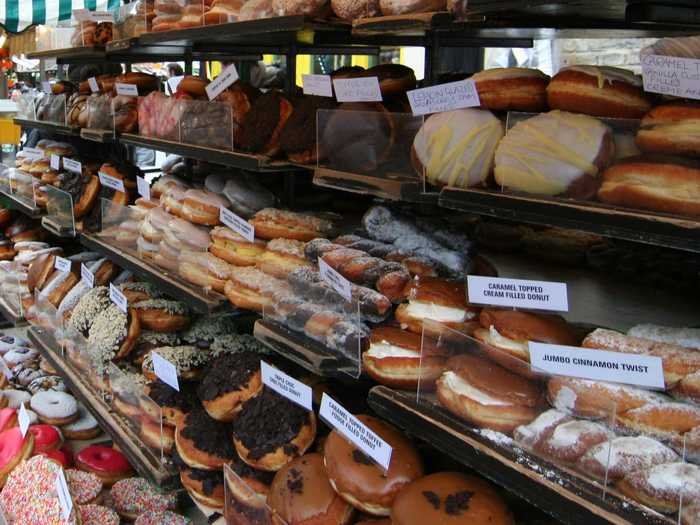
point(559, 491)
point(117, 428)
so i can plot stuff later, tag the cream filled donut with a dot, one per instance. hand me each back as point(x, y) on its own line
point(555, 153)
point(54, 408)
point(456, 148)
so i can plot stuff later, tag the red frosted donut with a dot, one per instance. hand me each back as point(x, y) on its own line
point(63, 457)
point(13, 449)
point(106, 463)
point(8, 418)
point(46, 437)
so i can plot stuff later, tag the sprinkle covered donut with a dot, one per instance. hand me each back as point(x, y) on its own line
point(54, 408)
point(85, 487)
point(98, 515)
point(133, 496)
point(161, 518)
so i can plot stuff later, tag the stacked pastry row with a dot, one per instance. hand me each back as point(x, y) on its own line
point(566, 152)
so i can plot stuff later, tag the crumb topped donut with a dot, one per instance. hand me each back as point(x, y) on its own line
point(202, 442)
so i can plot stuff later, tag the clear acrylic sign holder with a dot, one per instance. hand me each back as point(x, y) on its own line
point(244, 506)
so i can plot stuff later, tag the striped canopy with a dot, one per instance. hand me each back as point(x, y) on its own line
point(17, 15)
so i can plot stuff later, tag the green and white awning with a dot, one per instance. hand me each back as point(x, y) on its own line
point(17, 15)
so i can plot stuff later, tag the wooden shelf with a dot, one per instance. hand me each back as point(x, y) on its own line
point(51, 127)
point(169, 284)
point(390, 186)
point(558, 491)
point(621, 223)
point(141, 458)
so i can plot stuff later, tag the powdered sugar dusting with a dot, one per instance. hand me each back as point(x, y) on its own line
point(570, 434)
point(532, 433)
point(565, 399)
point(674, 477)
point(497, 437)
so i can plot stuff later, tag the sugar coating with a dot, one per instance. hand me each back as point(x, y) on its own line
point(630, 453)
point(171, 307)
point(687, 337)
point(184, 358)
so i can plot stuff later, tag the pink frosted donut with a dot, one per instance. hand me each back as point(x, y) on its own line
point(85, 487)
point(8, 418)
point(98, 515)
point(13, 449)
point(161, 518)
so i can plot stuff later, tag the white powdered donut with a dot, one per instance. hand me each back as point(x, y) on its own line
point(52, 404)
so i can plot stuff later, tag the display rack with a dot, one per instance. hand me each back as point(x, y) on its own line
point(560, 492)
point(23, 206)
point(393, 187)
point(195, 297)
point(103, 136)
point(122, 434)
point(50, 127)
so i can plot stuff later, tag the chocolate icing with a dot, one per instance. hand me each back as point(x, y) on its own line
point(210, 479)
point(295, 482)
point(246, 471)
point(359, 457)
point(208, 435)
point(299, 133)
point(228, 373)
point(458, 502)
point(432, 498)
point(166, 396)
point(267, 422)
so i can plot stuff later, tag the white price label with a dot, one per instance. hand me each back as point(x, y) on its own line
point(55, 162)
point(23, 420)
point(127, 90)
point(357, 89)
point(319, 85)
point(118, 298)
point(46, 86)
point(598, 365)
point(72, 165)
point(101, 16)
point(143, 187)
point(286, 386)
point(63, 495)
point(445, 97)
point(173, 83)
point(668, 75)
point(62, 264)
point(87, 276)
point(227, 77)
point(112, 183)
point(336, 281)
point(81, 15)
point(355, 431)
point(241, 226)
point(33, 153)
point(94, 87)
point(518, 293)
point(165, 370)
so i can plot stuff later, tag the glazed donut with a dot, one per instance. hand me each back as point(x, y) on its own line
point(596, 399)
point(671, 129)
point(46, 437)
point(84, 487)
point(193, 86)
point(144, 82)
point(204, 486)
point(20, 355)
point(202, 442)
point(664, 421)
point(623, 455)
point(660, 487)
point(106, 463)
point(598, 91)
point(301, 494)
point(228, 382)
point(512, 89)
point(570, 440)
point(133, 496)
point(161, 315)
point(203, 207)
point(88, 197)
point(157, 437)
point(54, 408)
point(83, 428)
point(98, 515)
point(258, 414)
point(394, 79)
point(362, 483)
point(271, 223)
point(13, 450)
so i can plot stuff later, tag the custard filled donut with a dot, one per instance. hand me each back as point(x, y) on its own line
point(512, 89)
point(14, 448)
point(450, 497)
point(271, 223)
point(661, 486)
point(665, 185)
point(134, 496)
point(302, 495)
point(295, 431)
point(570, 440)
point(621, 455)
point(281, 257)
point(533, 435)
point(203, 207)
point(172, 200)
point(153, 224)
point(229, 381)
point(251, 289)
point(231, 247)
point(202, 442)
point(359, 481)
point(672, 129)
point(204, 269)
point(106, 463)
point(457, 148)
point(597, 399)
point(664, 421)
point(54, 408)
point(487, 395)
point(114, 333)
point(162, 315)
point(599, 91)
point(555, 153)
point(204, 486)
point(394, 358)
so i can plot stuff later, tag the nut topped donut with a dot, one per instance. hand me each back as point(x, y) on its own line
point(90, 305)
point(114, 333)
point(359, 481)
point(188, 360)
